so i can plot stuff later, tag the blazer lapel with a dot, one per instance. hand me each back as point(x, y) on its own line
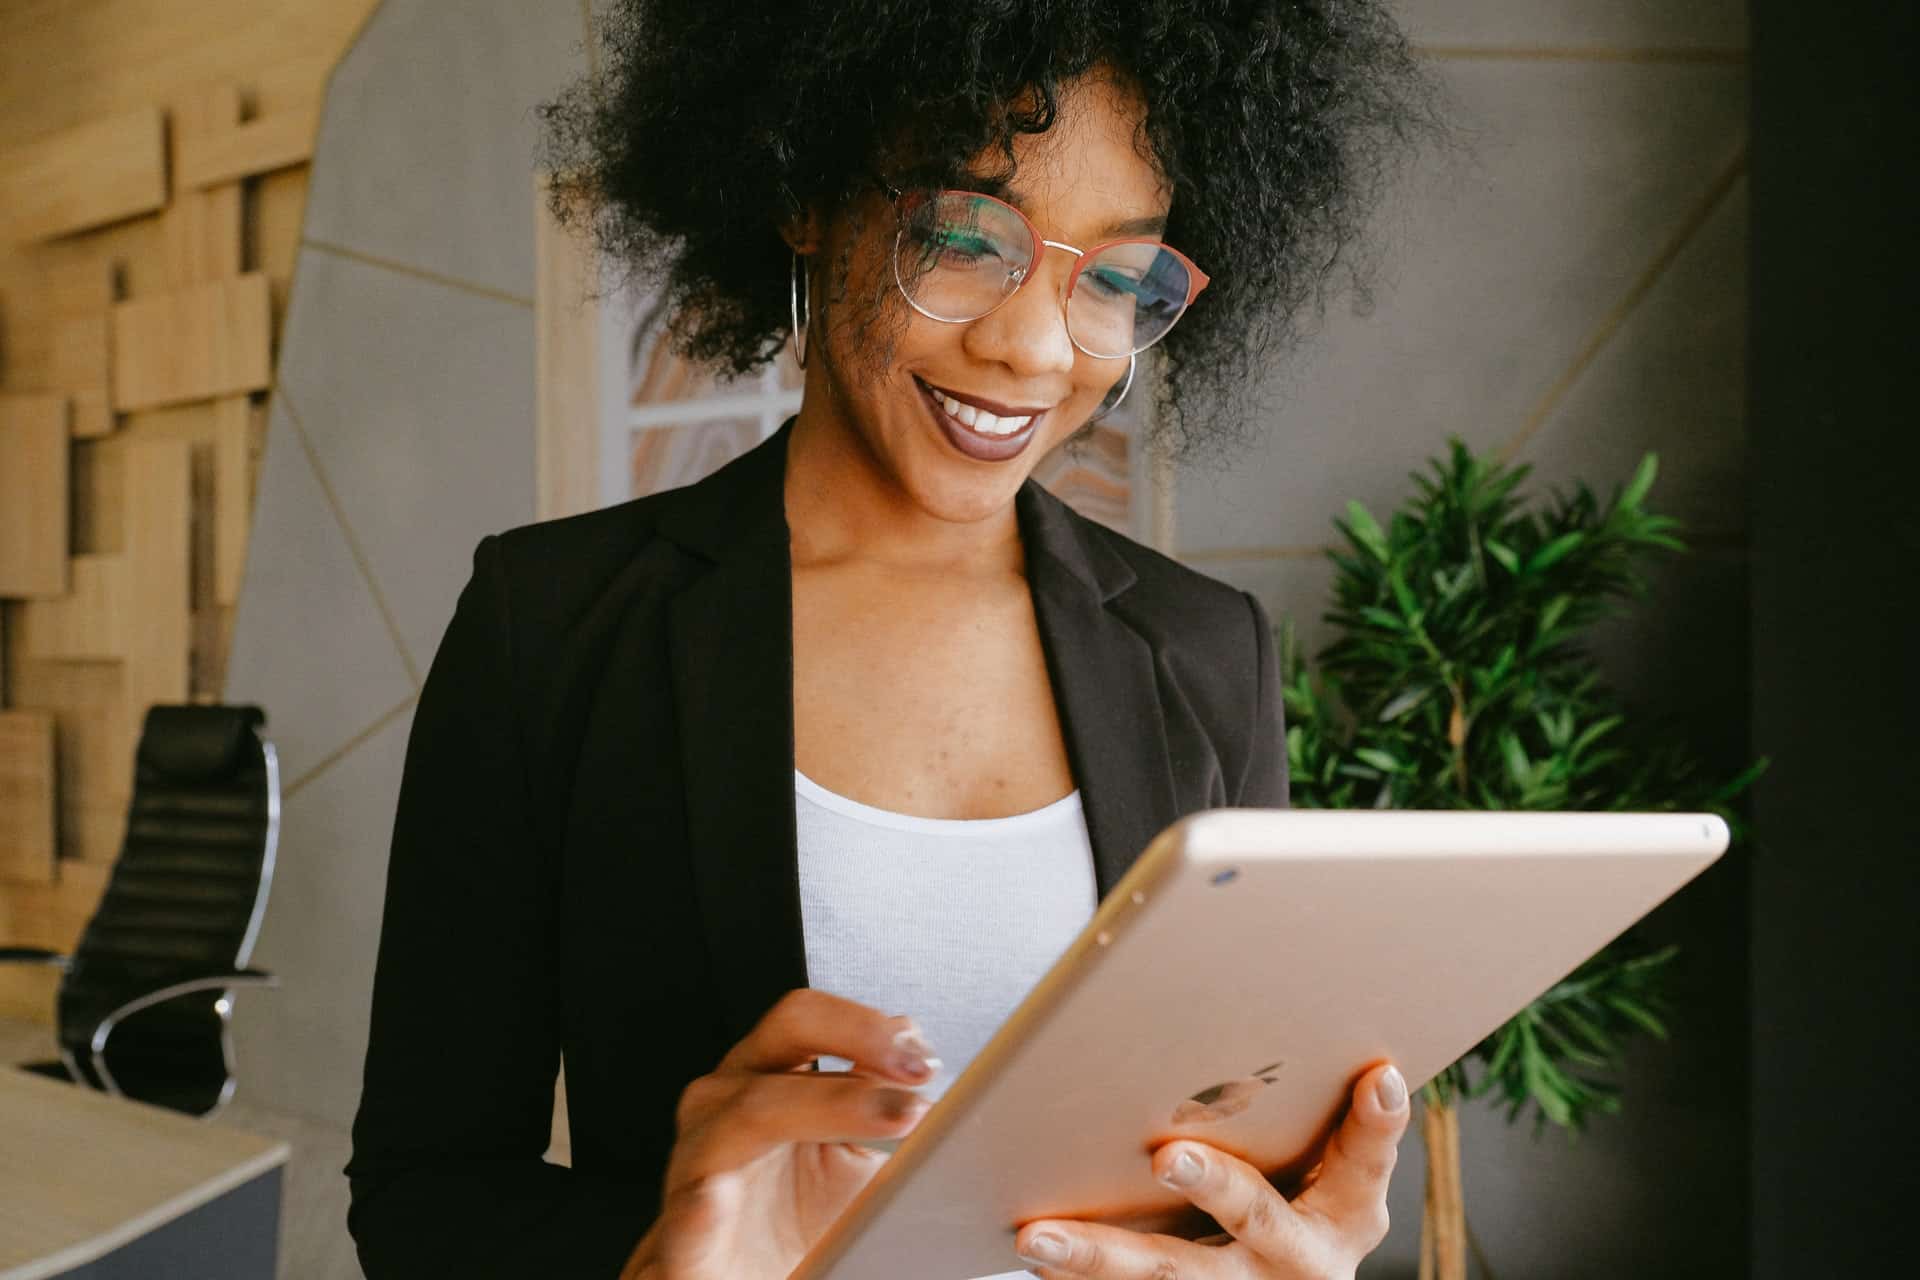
point(730, 641)
point(1104, 682)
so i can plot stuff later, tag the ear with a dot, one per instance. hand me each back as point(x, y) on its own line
point(800, 228)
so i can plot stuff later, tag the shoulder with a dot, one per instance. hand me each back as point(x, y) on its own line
point(549, 565)
point(1184, 613)
point(1215, 653)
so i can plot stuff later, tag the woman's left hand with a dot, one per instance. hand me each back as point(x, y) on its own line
point(1321, 1234)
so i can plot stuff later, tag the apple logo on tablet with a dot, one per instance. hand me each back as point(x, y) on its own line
point(1229, 1098)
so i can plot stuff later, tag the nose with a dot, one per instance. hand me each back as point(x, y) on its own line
point(1028, 332)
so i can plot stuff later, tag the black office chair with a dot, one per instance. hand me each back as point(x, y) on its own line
point(146, 997)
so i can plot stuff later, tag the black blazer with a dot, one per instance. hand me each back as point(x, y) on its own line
point(594, 852)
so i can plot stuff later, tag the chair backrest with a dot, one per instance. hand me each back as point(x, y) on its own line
point(189, 889)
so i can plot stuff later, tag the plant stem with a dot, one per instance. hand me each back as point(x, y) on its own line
point(1457, 737)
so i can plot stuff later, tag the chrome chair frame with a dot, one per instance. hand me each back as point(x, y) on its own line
point(223, 981)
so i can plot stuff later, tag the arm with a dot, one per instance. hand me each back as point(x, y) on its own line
point(447, 1174)
point(1264, 784)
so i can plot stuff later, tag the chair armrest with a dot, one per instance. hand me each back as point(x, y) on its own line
point(184, 984)
point(32, 955)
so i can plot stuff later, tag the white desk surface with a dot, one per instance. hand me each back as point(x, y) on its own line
point(82, 1173)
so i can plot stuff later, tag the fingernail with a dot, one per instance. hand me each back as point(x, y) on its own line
point(897, 1104)
point(1184, 1171)
point(1046, 1249)
point(1391, 1089)
point(912, 1056)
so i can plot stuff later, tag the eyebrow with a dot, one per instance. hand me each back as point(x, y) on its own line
point(1153, 224)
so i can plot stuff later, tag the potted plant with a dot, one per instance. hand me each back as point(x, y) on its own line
point(1457, 679)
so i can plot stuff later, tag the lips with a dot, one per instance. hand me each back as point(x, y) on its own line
point(983, 430)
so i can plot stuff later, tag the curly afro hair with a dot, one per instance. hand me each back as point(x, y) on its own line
point(1276, 123)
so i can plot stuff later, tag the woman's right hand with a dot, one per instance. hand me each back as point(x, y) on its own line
point(764, 1160)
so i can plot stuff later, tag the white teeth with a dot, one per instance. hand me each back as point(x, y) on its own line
point(979, 419)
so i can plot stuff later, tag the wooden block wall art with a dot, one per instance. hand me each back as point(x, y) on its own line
point(89, 623)
point(26, 796)
point(159, 552)
point(195, 343)
point(85, 177)
point(34, 495)
point(52, 916)
point(201, 230)
point(98, 480)
point(232, 494)
point(94, 741)
point(80, 364)
point(92, 414)
point(276, 141)
point(71, 279)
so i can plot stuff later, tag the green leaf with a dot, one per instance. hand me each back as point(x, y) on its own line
point(1381, 760)
point(1642, 481)
point(1637, 1012)
point(1504, 554)
point(1519, 768)
point(1405, 702)
point(1366, 530)
point(1556, 551)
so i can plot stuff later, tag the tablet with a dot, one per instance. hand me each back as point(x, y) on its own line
point(1231, 988)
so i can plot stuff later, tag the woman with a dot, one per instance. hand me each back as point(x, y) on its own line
point(829, 755)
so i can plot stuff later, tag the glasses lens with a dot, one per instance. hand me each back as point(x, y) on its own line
point(1127, 297)
point(960, 255)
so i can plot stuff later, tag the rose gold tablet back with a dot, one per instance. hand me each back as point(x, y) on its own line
point(1231, 988)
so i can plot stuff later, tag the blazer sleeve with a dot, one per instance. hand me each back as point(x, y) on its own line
point(1264, 784)
point(447, 1174)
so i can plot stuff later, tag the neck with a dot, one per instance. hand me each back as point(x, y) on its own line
point(844, 505)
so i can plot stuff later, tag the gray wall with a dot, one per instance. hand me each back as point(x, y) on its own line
point(401, 433)
point(1574, 290)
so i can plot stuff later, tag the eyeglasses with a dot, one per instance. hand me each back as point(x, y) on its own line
point(959, 255)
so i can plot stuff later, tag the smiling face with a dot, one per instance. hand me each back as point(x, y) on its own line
point(950, 418)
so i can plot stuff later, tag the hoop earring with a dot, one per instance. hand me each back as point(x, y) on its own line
point(1126, 386)
point(799, 300)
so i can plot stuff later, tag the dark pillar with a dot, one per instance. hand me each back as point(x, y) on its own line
point(1835, 414)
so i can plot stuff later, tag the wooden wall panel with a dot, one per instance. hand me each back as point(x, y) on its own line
point(97, 173)
point(26, 796)
point(233, 445)
point(34, 511)
point(195, 343)
point(202, 231)
point(156, 333)
point(94, 740)
point(90, 622)
point(159, 537)
point(238, 151)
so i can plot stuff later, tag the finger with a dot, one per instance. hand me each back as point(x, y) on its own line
point(769, 1111)
point(1351, 1190)
point(1114, 1253)
point(1238, 1197)
point(806, 1023)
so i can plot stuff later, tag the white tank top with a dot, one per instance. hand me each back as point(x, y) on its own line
point(951, 920)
